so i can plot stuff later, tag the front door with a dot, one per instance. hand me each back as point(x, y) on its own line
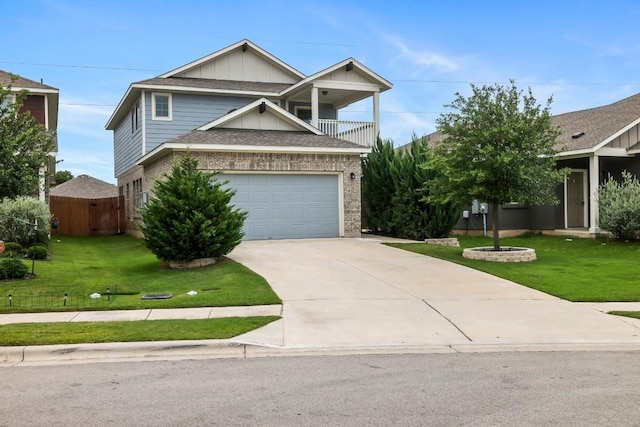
point(575, 199)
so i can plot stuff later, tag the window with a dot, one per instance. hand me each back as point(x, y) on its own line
point(161, 107)
point(135, 113)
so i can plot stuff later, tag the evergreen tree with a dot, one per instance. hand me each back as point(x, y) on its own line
point(378, 187)
point(190, 215)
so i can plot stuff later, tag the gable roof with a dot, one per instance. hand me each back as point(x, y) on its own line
point(255, 141)
point(262, 105)
point(599, 125)
point(85, 187)
point(230, 85)
point(19, 83)
point(586, 130)
point(244, 45)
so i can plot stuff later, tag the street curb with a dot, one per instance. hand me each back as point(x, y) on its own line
point(228, 349)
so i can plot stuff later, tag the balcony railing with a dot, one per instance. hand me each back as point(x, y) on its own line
point(361, 133)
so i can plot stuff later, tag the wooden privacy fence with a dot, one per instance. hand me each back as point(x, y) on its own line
point(84, 217)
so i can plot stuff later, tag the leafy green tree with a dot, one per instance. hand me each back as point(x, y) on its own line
point(18, 218)
point(190, 215)
point(619, 205)
point(499, 147)
point(63, 176)
point(24, 147)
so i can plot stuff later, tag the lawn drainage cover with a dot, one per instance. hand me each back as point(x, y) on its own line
point(157, 296)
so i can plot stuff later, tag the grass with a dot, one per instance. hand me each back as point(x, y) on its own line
point(148, 330)
point(124, 268)
point(570, 268)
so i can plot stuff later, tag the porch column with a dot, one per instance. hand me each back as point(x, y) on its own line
point(315, 110)
point(594, 182)
point(376, 113)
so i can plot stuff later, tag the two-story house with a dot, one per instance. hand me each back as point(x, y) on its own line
point(272, 132)
point(42, 102)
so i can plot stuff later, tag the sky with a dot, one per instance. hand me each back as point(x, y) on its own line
point(582, 53)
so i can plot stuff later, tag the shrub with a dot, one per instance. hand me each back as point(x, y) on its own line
point(37, 252)
point(17, 219)
point(13, 250)
point(395, 193)
point(13, 268)
point(191, 216)
point(620, 206)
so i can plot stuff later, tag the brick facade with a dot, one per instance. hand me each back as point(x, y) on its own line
point(341, 164)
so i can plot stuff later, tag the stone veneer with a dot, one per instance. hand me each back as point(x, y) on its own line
point(505, 255)
point(265, 162)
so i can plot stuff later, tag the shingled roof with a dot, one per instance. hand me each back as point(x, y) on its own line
point(234, 85)
point(262, 138)
point(598, 124)
point(585, 129)
point(20, 82)
point(85, 187)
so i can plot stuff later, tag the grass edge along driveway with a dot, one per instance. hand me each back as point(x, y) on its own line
point(574, 269)
point(80, 266)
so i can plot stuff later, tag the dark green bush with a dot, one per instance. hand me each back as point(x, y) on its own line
point(40, 252)
point(13, 250)
point(13, 268)
point(395, 193)
point(191, 215)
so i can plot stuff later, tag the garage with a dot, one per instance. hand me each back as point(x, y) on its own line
point(287, 206)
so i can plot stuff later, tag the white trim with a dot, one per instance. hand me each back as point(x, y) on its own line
point(383, 84)
point(153, 106)
point(143, 113)
point(616, 134)
point(360, 87)
point(594, 182)
point(46, 112)
point(228, 49)
point(612, 152)
point(174, 146)
point(273, 108)
point(35, 91)
point(585, 195)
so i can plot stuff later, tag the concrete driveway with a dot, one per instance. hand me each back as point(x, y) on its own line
point(356, 293)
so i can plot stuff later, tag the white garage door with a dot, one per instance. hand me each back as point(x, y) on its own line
point(287, 206)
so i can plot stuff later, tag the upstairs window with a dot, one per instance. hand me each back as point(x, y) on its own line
point(161, 106)
point(135, 113)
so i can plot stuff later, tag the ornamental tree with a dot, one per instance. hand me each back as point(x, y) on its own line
point(24, 146)
point(191, 216)
point(498, 147)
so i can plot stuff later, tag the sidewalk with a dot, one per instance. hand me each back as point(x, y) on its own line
point(147, 314)
point(356, 296)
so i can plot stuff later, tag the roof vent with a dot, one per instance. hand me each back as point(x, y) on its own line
point(577, 135)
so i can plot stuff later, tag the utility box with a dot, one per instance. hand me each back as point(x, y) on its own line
point(478, 208)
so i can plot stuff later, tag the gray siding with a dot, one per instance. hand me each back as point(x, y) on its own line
point(188, 113)
point(127, 146)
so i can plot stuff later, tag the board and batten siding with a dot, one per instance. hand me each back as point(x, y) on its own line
point(127, 146)
point(244, 66)
point(188, 113)
point(627, 139)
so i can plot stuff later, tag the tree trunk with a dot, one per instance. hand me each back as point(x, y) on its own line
point(495, 225)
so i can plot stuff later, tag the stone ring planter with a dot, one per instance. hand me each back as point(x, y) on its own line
point(506, 254)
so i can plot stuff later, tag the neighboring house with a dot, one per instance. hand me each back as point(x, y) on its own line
point(86, 206)
point(594, 144)
point(42, 102)
point(271, 131)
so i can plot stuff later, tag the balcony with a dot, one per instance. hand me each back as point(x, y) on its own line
point(361, 133)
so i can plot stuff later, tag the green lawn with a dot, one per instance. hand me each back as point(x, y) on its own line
point(124, 268)
point(148, 330)
point(574, 269)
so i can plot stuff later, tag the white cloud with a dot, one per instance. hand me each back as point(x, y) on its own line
point(421, 59)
